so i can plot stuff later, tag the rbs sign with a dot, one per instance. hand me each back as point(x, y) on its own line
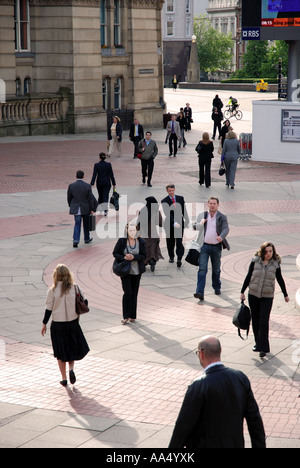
point(251, 34)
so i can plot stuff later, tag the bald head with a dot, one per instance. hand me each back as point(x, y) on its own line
point(210, 350)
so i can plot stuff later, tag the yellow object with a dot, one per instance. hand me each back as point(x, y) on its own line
point(262, 87)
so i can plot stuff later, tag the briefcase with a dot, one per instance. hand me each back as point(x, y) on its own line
point(92, 222)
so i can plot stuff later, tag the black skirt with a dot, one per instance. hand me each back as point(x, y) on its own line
point(68, 341)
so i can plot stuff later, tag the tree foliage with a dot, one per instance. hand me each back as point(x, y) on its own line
point(214, 48)
point(261, 59)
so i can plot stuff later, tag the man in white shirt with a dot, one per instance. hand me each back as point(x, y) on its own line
point(215, 229)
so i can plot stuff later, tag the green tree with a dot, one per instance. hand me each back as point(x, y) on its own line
point(253, 59)
point(214, 48)
point(277, 50)
point(261, 59)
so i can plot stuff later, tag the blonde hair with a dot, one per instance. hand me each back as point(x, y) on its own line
point(231, 136)
point(63, 274)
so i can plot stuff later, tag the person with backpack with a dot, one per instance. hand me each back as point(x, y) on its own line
point(264, 270)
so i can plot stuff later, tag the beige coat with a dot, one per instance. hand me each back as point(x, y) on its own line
point(63, 308)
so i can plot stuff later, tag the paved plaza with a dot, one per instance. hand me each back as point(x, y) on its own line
point(131, 385)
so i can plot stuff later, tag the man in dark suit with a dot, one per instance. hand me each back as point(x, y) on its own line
point(214, 234)
point(136, 134)
point(215, 406)
point(176, 220)
point(82, 203)
point(105, 178)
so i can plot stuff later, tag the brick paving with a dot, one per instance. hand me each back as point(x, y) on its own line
point(133, 380)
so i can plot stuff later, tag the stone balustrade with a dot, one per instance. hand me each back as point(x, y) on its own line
point(34, 115)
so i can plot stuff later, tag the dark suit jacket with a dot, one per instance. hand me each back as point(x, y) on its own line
point(104, 174)
point(141, 132)
point(120, 246)
point(80, 195)
point(213, 412)
point(174, 214)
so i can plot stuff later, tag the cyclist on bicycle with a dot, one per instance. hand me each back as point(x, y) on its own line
point(233, 104)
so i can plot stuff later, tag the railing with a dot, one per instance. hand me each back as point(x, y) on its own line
point(22, 109)
point(34, 110)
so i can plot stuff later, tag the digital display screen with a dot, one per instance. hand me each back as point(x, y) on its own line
point(271, 20)
point(280, 13)
point(286, 6)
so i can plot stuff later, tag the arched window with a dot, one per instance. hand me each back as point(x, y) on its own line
point(22, 25)
point(18, 86)
point(117, 93)
point(27, 85)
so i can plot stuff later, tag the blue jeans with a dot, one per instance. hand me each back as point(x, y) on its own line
point(77, 228)
point(214, 252)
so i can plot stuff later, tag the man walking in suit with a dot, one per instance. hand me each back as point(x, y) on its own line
point(136, 134)
point(173, 128)
point(105, 178)
point(176, 220)
point(148, 149)
point(215, 406)
point(214, 227)
point(82, 203)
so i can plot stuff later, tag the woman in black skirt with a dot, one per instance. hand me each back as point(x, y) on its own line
point(68, 341)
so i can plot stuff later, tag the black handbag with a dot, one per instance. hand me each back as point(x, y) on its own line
point(81, 307)
point(122, 269)
point(193, 257)
point(92, 222)
point(242, 319)
point(222, 169)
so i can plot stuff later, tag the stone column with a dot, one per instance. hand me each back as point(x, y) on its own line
point(7, 47)
point(193, 71)
point(144, 83)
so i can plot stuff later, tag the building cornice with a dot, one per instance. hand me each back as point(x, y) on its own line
point(88, 3)
point(158, 4)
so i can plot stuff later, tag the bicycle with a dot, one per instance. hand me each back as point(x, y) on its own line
point(230, 112)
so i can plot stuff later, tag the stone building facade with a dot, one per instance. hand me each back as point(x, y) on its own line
point(68, 64)
point(177, 27)
point(225, 16)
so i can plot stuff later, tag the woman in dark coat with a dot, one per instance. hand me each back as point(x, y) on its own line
point(131, 248)
point(149, 218)
point(205, 149)
point(104, 177)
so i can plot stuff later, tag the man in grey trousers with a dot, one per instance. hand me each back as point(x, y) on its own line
point(148, 149)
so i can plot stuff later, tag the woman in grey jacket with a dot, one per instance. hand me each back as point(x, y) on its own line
point(231, 154)
point(264, 270)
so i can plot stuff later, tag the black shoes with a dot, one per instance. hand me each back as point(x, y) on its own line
point(199, 296)
point(88, 241)
point(72, 377)
point(75, 245)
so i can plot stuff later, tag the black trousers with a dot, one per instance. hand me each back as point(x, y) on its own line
point(204, 173)
point(130, 284)
point(147, 169)
point(173, 138)
point(260, 311)
point(171, 242)
point(103, 195)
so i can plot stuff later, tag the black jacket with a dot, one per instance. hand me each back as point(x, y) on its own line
point(80, 195)
point(104, 174)
point(120, 246)
point(119, 131)
point(213, 412)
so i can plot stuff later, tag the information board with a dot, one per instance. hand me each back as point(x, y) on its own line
point(290, 125)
